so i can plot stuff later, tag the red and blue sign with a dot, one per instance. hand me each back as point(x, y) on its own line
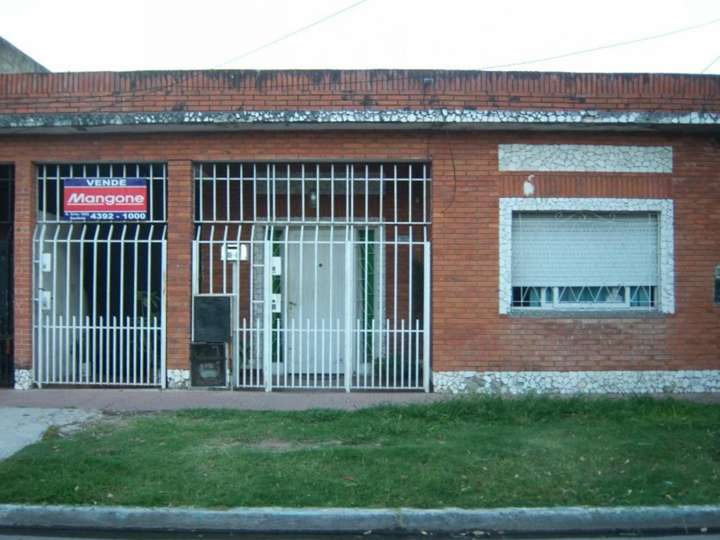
point(105, 199)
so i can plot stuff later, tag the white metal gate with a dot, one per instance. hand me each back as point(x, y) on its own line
point(99, 286)
point(335, 291)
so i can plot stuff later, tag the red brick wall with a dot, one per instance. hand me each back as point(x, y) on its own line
point(292, 90)
point(25, 213)
point(468, 332)
point(179, 262)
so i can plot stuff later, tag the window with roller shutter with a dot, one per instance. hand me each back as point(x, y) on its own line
point(585, 260)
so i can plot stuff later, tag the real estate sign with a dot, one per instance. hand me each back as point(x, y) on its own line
point(105, 199)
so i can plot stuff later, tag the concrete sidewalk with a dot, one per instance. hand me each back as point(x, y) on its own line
point(21, 426)
point(142, 400)
point(132, 400)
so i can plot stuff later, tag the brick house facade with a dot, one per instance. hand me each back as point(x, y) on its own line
point(582, 146)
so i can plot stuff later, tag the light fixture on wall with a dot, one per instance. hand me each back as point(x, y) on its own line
point(528, 186)
point(313, 199)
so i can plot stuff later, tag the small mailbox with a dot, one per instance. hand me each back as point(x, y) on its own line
point(234, 252)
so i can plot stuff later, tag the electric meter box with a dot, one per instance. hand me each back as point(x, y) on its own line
point(211, 319)
point(207, 361)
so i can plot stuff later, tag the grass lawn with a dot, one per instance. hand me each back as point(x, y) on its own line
point(466, 452)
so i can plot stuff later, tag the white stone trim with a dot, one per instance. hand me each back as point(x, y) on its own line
point(178, 378)
point(576, 382)
point(23, 379)
point(585, 158)
point(664, 207)
point(410, 117)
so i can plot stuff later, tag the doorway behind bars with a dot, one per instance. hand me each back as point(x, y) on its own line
point(334, 291)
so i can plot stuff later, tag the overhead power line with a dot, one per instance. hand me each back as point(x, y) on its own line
point(497, 66)
point(608, 46)
point(711, 64)
point(291, 34)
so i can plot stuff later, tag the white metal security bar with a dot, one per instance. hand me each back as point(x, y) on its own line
point(354, 193)
point(99, 314)
point(335, 291)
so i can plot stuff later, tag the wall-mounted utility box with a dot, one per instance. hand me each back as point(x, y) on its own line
point(207, 363)
point(211, 319)
point(234, 252)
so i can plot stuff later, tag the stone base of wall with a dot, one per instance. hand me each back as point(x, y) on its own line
point(576, 382)
point(178, 379)
point(23, 379)
point(524, 382)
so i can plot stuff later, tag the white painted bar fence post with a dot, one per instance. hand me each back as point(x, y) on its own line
point(163, 311)
point(427, 286)
point(267, 309)
point(349, 304)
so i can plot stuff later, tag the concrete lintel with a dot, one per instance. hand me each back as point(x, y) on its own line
point(389, 118)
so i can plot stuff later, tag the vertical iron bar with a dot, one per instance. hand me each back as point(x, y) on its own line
point(67, 370)
point(122, 285)
point(285, 312)
point(224, 260)
point(287, 198)
point(302, 193)
point(349, 288)
point(81, 289)
point(55, 265)
point(227, 192)
point(163, 308)
point(427, 285)
point(267, 310)
point(315, 297)
point(410, 199)
point(241, 185)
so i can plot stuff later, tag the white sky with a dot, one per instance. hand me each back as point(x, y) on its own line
point(91, 35)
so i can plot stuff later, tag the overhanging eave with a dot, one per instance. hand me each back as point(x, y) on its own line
point(389, 119)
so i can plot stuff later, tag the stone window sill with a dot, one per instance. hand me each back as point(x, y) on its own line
point(585, 314)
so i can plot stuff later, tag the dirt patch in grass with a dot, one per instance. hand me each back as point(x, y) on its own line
point(276, 445)
point(53, 432)
point(280, 446)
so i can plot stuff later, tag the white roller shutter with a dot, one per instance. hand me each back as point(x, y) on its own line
point(576, 249)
